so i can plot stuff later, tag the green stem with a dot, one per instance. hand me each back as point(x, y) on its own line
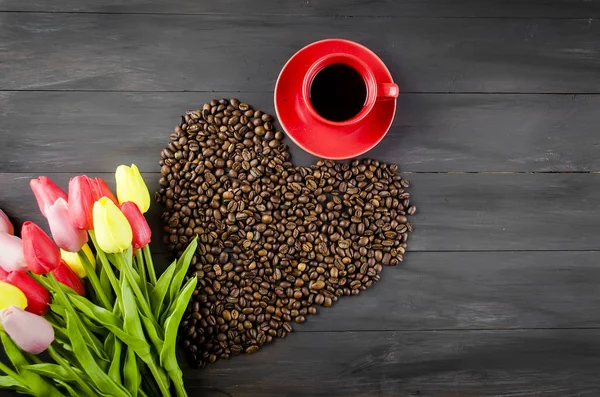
point(68, 306)
point(139, 258)
point(93, 277)
point(64, 363)
point(107, 267)
point(179, 388)
point(149, 264)
point(161, 379)
point(8, 371)
point(142, 300)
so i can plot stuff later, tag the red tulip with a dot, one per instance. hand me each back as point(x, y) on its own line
point(101, 189)
point(81, 201)
point(65, 235)
point(38, 298)
point(68, 277)
point(41, 255)
point(139, 226)
point(5, 224)
point(46, 192)
point(11, 253)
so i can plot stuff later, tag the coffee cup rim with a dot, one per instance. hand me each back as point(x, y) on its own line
point(349, 60)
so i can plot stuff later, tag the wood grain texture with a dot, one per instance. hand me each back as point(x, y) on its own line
point(389, 364)
point(457, 212)
point(66, 131)
point(357, 8)
point(235, 53)
point(469, 291)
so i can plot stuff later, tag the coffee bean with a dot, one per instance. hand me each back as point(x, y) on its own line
point(275, 240)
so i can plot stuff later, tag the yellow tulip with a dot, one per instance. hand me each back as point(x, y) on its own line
point(72, 259)
point(112, 228)
point(131, 187)
point(11, 296)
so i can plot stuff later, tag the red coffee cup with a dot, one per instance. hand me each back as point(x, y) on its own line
point(375, 90)
point(328, 138)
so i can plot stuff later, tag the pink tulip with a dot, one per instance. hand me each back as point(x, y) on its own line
point(11, 253)
point(46, 192)
point(65, 235)
point(5, 225)
point(82, 195)
point(32, 333)
point(139, 226)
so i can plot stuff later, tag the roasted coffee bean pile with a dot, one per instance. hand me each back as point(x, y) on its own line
point(275, 240)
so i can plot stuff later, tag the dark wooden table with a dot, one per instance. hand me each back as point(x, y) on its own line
point(497, 128)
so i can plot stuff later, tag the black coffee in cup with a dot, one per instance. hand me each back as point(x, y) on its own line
point(338, 92)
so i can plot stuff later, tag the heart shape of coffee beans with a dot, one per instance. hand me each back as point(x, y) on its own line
point(275, 240)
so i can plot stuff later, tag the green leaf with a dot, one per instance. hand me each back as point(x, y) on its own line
point(101, 380)
point(158, 294)
point(131, 373)
point(52, 371)
point(167, 354)
point(38, 385)
point(112, 322)
point(81, 378)
point(8, 382)
point(114, 371)
point(183, 264)
point(152, 333)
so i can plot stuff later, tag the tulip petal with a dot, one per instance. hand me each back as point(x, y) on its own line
point(113, 231)
point(32, 333)
point(11, 253)
point(46, 192)
point(131, 187)
point(73, 261)
point(11, 296)
point(38, 298)
point(65, 235)
point(41, 255)
point(139, 226)
point(68, 277)
point(81, 202)
point(6, 225)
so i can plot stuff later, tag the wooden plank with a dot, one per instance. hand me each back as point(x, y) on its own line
point(470, 290)
point(474, 290)
point(432, 132)
point(246, 53)
point(457, 212)
point(405, 8)
point(386, 364)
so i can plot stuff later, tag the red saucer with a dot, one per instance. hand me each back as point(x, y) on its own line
point(313, 135)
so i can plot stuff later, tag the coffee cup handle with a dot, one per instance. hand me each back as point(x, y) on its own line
point(387, 91)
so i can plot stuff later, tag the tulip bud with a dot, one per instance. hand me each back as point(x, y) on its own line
point(11, 296)
point(139, 226)
point(101, 189)
point(131, 187)
point(113, 231)
point(32, 333)
point(46, 192)
point(81, 201)
point(74, 262)
point(11, 254)
point(5, 224)
point(65, 235)
point(68, 277)
point(41, 255)
point(38, 298)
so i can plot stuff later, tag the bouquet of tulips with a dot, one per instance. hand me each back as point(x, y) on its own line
point(89, 296)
